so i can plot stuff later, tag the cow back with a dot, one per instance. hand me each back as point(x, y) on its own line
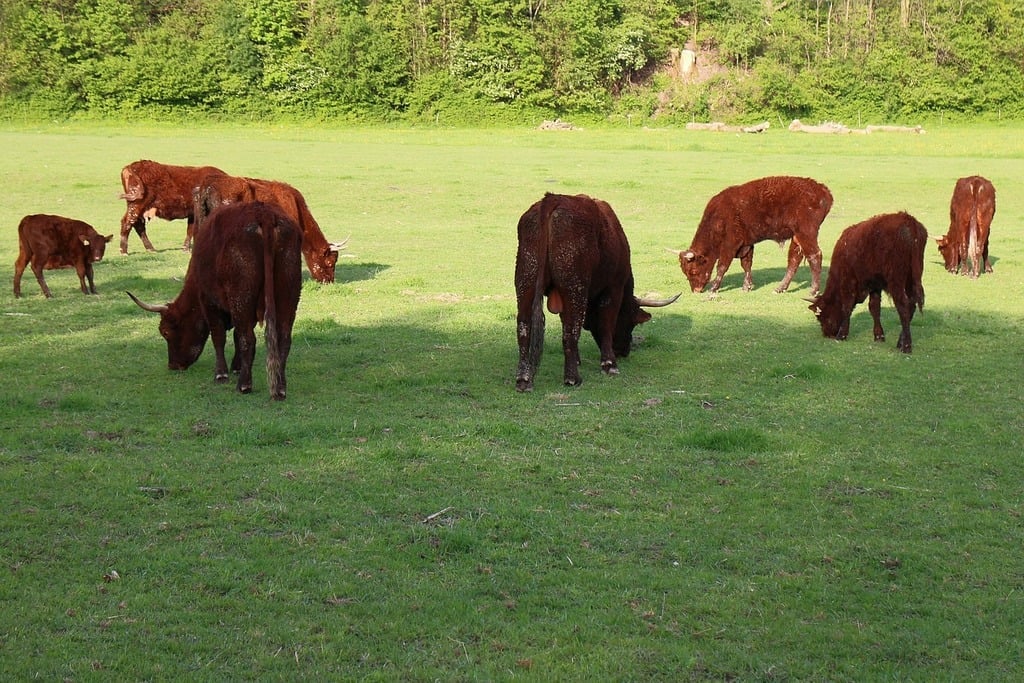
point(771, 208)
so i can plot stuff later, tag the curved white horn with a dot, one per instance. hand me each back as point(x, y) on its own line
point(338, 246)
point(153, 308)
point(656, 303)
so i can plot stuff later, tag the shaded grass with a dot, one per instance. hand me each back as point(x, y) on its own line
point(747, 500)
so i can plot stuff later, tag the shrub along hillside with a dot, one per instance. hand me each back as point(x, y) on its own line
point(466, 61)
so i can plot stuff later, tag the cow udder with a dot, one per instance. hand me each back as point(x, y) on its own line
point(555, 304)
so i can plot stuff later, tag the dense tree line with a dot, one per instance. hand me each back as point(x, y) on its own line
point(471, 60)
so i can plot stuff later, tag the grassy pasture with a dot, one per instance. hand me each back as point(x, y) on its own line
point(747, 500)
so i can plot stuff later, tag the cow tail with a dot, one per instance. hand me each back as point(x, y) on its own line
point(270, 307)
point(917, 269)
point(973, 248)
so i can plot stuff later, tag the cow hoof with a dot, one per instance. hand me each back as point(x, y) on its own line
point(523, 386)
point(220, 378)
point(245, 389)
point(278, 396)
point(879, 337)
point(573, 382)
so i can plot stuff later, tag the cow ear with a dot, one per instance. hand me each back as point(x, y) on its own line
point(642, 316)
point(108, 238)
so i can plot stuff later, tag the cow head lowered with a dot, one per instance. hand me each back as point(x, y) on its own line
point(572, 249)
point(883, 253)
point(776, 208)
point(246, 268)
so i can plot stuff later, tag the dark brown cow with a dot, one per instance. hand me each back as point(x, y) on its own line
point(321, 256)
point(774, 208)
point(882, 253)
point(970, 219)
point(161, 190)
point(246, 267)
point(49, 242)
point(573, 251)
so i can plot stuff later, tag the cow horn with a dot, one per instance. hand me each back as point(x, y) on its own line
point(677, 252)
point(810, 301)
point(338, 246)
point(153, 308)
point(657, 303)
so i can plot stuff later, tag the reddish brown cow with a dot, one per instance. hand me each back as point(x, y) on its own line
point(882, 253)
point(321, 256)
point(573, 251)
point(49, 242)
point(161, 190)
point(970, 219)
point(774, 208)
point(246, 268)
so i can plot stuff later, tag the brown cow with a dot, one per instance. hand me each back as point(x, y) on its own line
point(49, 242)
point(161, 190)
point(882, 253)
point(321, 256)
point(970, 219)
point(774, 208)
point(573, 251)
point(246, 267)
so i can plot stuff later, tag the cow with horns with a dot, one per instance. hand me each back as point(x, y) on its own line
point(321, 255)
point(776, 208)
point(246, 268)
point(573, 250)
point(160, 190)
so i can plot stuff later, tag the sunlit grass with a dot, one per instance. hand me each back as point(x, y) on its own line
point(746, 500)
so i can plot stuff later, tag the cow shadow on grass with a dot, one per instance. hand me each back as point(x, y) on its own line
point(768, 277)
point(348, 270)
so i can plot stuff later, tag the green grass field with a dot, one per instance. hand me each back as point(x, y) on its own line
point(746, 501)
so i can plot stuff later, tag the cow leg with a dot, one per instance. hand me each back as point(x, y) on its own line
point(530, 334)
point(276, 365)
point(905, 307)
point(190, 233)
point(572, 325)
point(89, 277)
point(723, 265)
point(814, 261)
point(793, 259)
point(141, 229)
point(988, 266)
point(245, 352)
point(747, 262)
point(875, 306)
point(37, 268)
point(19, 269)
point(604, 332)
point(218, 335)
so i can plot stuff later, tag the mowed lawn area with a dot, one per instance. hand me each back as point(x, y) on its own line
point(747, 500)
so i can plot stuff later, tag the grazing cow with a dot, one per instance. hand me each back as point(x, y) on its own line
point(49, 242)
point(774, 208)
point(573, 251)
point(321, 256)
point(246, 267)
point(161, 190)
point(970, 218)
point(882, 253)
